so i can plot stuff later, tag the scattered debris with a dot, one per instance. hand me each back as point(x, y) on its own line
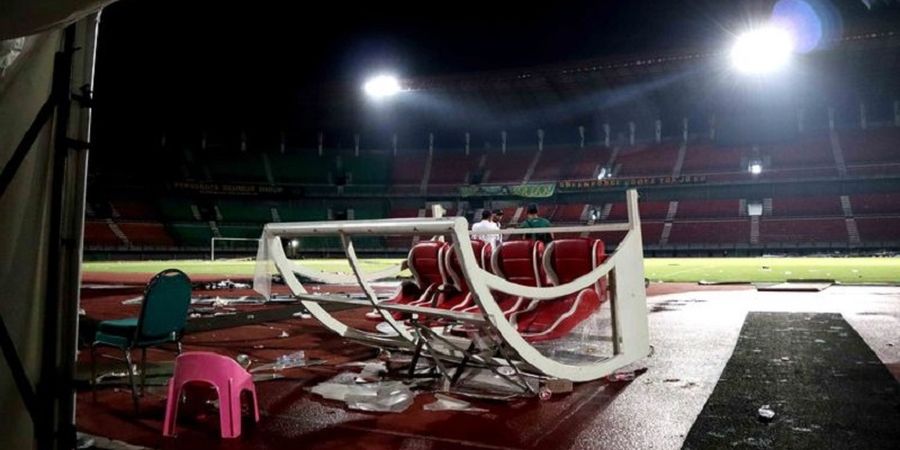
point(284, 334)
point(625, 376)
point(444, 402)
point(302, 315)
point(558, 386)
point(765, 413)
point(243, 360)
point(226, 284)
point(288, 361)
point(380, 396)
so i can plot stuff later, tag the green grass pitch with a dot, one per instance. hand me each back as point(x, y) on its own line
point(769, 269)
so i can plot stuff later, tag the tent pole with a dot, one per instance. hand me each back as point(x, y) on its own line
point(55, 422)
point(52, 382)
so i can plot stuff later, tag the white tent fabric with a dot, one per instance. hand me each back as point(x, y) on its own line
point(26, 213)
point(32, 34)
point(27, 17)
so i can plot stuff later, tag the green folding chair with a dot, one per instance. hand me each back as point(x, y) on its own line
point(162, 320)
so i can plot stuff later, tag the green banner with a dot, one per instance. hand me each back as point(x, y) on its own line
point(538, 190)
point(589, 185)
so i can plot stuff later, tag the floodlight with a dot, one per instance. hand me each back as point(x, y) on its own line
point(382, 86)
point(763, 50)
point(295, 243)
point(755, 167)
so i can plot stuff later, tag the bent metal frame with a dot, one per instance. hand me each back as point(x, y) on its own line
point(627, 295)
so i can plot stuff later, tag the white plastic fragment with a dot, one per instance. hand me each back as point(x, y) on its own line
point(446, 403)
point(765, 413)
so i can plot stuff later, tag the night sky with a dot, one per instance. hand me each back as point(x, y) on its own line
point(198, 63)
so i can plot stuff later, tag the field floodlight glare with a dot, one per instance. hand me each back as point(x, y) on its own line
point(755, 168)
point(762, 51)
point(382, 86)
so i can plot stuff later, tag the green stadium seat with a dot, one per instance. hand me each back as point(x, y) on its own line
point(302, 213)
point(245, 211)
point(239, 167)
point(192, 234)
point(306, 167)
point(368, 169)
point(241, 231)
point(176, 209)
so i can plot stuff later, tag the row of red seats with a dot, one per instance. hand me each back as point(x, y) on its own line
point(439, 282)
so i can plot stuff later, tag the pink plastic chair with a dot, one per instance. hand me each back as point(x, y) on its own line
point(223, 373)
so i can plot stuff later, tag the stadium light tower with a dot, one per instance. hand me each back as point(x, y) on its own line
point(382, 86)
point(762, 51)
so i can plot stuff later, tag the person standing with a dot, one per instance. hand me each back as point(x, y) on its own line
point(486, 224)
point(533, 220)
point(498, 219)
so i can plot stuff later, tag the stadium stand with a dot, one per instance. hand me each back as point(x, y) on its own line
point(245, 211)
point(874, 146)
point(409, 167)
point(803, 230)
point(192, 234)
point(147, 234)
point(807, 206)
point(305, 167)
point(649, 210)
point(453, 167)
point(100, 234)
point(655, 160)
point(816, 204)
point(879, 229)
point(710, 232)
point(708, 209)
point(876, 203)
point(368, 168)
point(132, 209)
point(247, 167)
point(705, 158)
point(507, 168)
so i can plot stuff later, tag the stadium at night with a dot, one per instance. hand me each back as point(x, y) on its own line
point(581, 226)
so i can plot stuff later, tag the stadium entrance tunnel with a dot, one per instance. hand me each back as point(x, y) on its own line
point(524, 311)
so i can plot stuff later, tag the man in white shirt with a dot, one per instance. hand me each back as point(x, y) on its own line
point(486, 224)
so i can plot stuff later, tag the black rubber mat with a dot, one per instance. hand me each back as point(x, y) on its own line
point(823, 382)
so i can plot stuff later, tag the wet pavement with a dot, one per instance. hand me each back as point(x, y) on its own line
point(693, 333)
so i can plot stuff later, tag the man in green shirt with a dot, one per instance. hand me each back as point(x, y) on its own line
point(532, 220)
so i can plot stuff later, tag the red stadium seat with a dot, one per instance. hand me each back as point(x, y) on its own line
point(564, 260)
point(425, 261)
point(519, 262)
point(455, 294)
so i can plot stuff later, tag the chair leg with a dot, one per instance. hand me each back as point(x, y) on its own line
point(229, 411)
point(255, 404)
point(93, 372)
point(134, 396)
point(172, 402)
point(143, 369)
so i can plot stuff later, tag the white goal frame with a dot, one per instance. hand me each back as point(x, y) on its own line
point(627, 295)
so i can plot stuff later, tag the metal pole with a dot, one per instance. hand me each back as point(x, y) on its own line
point(51, 384)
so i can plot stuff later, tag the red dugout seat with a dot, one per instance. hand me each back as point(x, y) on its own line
point(426, 262)
point(455, 293)
point(518, 262)
point(564, 260)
